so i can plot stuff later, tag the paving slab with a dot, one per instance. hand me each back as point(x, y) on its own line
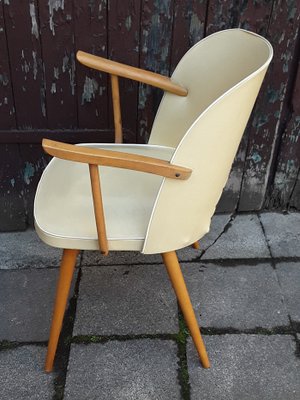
point(289, 278)
point(246, 367)
point(125, 300)
point(283, 233)
point(241, 297)
point(128, 370)
point(26, 301)
point(22, 376)
point(243, 239)
point(24, 249)
point(218, 224)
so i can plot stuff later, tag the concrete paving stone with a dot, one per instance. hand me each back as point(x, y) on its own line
point(24, 249)
point(246, 367)
point(289, 278)
point(243, 239)
point(128, 370)
point(283, 233)
point(242, 297)
point(26, 301)
point(218, 223)
point(22, 376)
point(125, 300)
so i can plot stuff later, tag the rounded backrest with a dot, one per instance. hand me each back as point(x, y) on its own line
point(206, 128)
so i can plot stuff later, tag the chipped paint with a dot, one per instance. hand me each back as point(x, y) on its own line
point(256, 158)
point(6, 2)
point(54, 5)
point(56, 72)
point(128, 22)
point(34, 25)
point(53, 88)
point(90, 88)
point(12, 182)
point(28, 172)
point(195, 28)
point(35, 66)
point(4, 79)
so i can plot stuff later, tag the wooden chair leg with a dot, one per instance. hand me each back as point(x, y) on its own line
point(62, 291)
point(196, 245)
point(176, 277)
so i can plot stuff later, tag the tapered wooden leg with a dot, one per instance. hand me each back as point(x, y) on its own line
point(196, 245)
point(62, 291)
point(176, 277)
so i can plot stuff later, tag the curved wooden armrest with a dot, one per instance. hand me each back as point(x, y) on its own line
point(126, 71)
point(116, 159)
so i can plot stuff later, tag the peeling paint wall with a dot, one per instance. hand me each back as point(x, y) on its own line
point(42, 87)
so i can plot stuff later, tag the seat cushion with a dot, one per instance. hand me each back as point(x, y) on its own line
point(63, 209)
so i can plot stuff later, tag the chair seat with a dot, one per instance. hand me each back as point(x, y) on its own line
point(63, 209)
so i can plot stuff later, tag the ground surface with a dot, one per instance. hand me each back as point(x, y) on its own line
point(123, 335)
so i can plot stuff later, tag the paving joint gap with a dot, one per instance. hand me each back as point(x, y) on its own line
point(87, 339)
point(225, 229)
point(276, 330)
point(265, 236)
point(7, 344)
point(64, 344)
point(183, 373)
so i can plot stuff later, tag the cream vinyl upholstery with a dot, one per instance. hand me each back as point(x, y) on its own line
point(148, 213)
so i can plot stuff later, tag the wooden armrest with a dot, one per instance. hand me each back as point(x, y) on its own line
point(126, 71)
point(117, 159)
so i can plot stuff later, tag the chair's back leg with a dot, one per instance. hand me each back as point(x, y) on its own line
point(176, 277)
point(62, 291)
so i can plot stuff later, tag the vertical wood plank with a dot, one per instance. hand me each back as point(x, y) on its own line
point(156, 39)
point(57, 36)
point(288, 160)
point(252, 15)
point(295, 198)
point(12, 210)
point(22, 29)
point(271, 109)
point(91, 36)
point(34, 161)
point(188, 27)
point(7, 109)
point(123, 46)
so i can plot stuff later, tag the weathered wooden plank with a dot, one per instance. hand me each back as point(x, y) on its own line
point(156, 35)
point(21, 21)
point(7, 109)
point(12, 209)
point(251, 15)
point(124, 36)
point(295, 198)
point(288, 160)
point(271, 106)
point(254, 16)
point(91, 36)
point(57, 36)
point(34, 161)
point(188, 27)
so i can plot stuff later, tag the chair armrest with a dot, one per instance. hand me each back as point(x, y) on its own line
point(116, 159)
point(126, 71)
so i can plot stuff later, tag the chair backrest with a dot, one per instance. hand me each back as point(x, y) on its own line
point(223, 74)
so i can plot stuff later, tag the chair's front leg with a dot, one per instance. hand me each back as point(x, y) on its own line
point(176, 277)
point(62, 291)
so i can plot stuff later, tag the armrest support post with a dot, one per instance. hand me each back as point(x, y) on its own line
point(98, 208)
point(116, 108)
